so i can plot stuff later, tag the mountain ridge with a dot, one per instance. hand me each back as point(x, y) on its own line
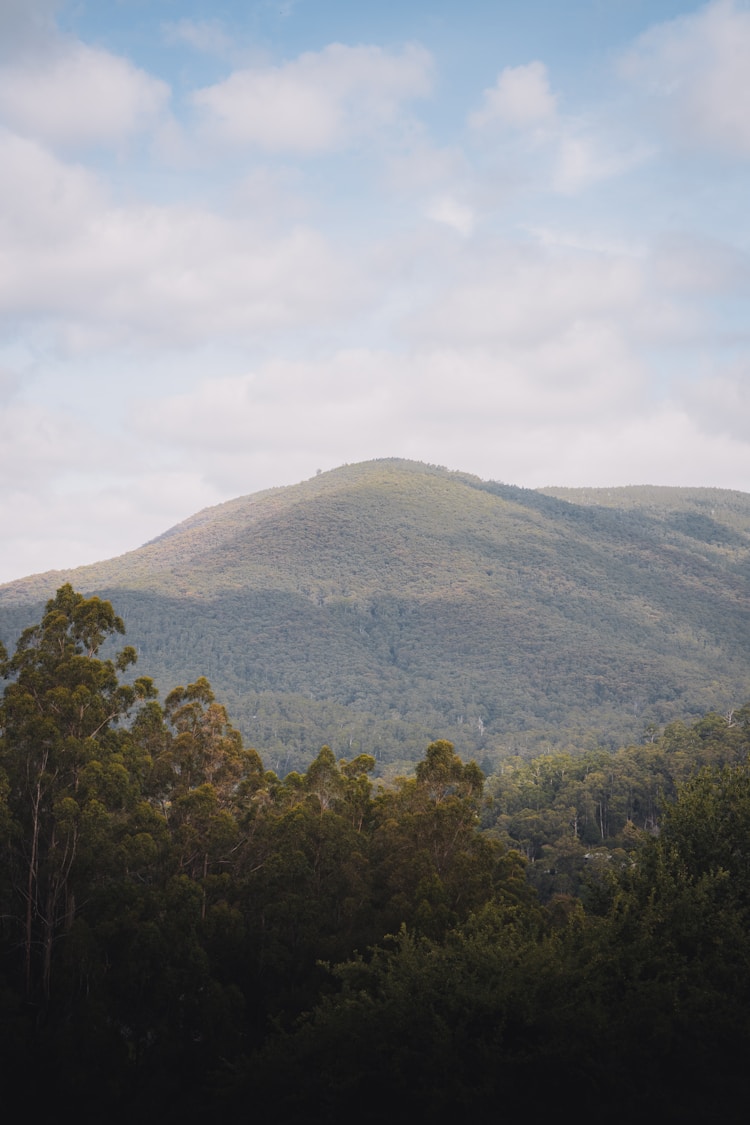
point(388, 602)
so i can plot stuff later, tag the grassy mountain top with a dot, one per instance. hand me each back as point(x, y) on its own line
point(387, 603)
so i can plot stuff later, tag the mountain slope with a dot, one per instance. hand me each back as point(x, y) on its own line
point(383, 604)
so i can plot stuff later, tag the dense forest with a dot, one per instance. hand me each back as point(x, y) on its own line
point(184, 932)
point(381, 606)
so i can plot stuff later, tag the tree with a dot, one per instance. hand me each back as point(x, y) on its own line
point(433, 866)
point(65, 765)
point(307, 889)
point(205, 748)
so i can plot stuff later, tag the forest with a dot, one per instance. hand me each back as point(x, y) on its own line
point(184, 932)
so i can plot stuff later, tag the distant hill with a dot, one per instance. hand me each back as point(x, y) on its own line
point(384, 604)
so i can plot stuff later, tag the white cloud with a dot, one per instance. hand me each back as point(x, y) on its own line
point(662, 446)
point(43, 200)
point(694, 263)
point(521, 98)
point(52, 528)
point(453, 214)
point(695, 71)
point(552, 150)
point(720, 402)
point(79, 95)
point(9, 383)
point(253, 410)
point(36, 442)
point(317, 102)
point(576, 410)
point(109, 274)
point(503, 291)
point(583, 158)
point(418, 165)
point(361, 399)
point(73, 491)
point(274, 191)
point(592, 241)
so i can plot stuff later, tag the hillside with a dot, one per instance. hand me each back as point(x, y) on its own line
point(384, 604)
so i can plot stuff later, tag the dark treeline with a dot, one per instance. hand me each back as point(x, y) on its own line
point(184, 933)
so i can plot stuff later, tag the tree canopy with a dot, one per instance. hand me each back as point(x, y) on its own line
point(183, 931)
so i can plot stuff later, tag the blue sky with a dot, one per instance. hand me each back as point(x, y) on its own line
point(241, 242)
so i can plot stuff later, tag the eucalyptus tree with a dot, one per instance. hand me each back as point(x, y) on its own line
point(68, 770)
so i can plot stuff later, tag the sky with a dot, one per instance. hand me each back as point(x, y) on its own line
point(241, 242)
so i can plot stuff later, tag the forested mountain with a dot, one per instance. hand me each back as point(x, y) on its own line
point(382, 605)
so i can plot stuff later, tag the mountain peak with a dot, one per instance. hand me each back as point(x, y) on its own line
point(389, 602)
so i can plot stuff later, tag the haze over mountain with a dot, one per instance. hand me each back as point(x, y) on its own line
point(387, 603)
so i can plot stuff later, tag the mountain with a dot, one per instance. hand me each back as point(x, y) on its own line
point(384, 604)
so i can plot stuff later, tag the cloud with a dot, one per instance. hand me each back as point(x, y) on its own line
point(78, 95)
point(520, 99)
point(10, 381)
point(73, 491)
point(694, 263)
point(720, 402)
point(583, 158)
point(453, 214)
point(663, 445)
point(25, 25)
point(365, 399)
point(555, 151)
point(54, 528)
point(503, 291)
point(577, 411)
point(37, 441)
point(418, 165)
point(246, 411)
point(591, 241)
point(694, 72)
point(318, 102)
point(43, 200)
point(110, 274)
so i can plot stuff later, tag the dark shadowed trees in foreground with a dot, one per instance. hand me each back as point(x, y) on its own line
point(183, 933)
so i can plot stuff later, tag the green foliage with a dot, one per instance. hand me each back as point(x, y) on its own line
point(642, 1009)
point(572, 815)
point(67, 781)
point(433, 867)
point(163, 897)
point(183, 933)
